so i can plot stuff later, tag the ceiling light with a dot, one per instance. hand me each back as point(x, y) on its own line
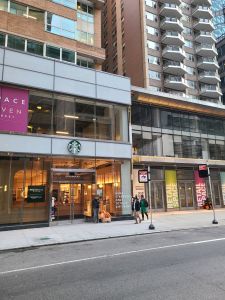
point(71, 117)
point(62, 132)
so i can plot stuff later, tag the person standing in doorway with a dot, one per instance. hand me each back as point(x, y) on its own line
point(95, 207)
point(144, 207)
point(137, 210)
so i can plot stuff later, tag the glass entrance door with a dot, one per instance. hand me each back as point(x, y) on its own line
point(72, 193)
point(186, 195)
point(157, 193)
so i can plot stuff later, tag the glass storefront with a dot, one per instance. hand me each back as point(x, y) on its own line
point(29, 184)
point(180, 188)
point(160, 132)
point(76, 117)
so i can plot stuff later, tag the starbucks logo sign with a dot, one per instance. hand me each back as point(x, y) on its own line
point(74, 147)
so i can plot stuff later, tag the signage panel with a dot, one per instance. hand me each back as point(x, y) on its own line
point(171, 189)
point(222, 177)
point(143, 176)
point(13, 109)
point(200, 186)
point(36, 193)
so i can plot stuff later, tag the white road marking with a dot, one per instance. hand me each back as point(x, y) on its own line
point(111, 255)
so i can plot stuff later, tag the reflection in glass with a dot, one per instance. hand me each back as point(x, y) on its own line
point(35, 47)
point(86, 119)
point(40, 114)
point(104, 117)
point(16, 42)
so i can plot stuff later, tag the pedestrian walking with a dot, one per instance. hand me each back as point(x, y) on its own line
point(132, 205)
point(95, 207)
point(137, 208)
point(144, 207)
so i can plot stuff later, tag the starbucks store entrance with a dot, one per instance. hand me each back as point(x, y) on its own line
point(72, 193)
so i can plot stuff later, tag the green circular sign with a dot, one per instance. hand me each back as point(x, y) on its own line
point(74, 147)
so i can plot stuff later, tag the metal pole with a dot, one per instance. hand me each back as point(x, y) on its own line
point(151, 226)
point(212, 198)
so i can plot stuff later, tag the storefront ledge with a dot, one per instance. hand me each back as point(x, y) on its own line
point(23, 226)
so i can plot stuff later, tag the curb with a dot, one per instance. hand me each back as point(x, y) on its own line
point(28, 248)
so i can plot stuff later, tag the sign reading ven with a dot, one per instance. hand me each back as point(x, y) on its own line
point(13, 109)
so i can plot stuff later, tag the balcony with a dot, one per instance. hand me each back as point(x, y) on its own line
point(172, 38)
point(175, 83)
point(204, 25)
point(206, 50)
point(201, 2)
point(202, 12)
point(205, 37)
point(177, 93)
point(173, 53)
point(171, 24)
point(174, 67)
point(209, 77)
point(177, 2)
point(171, 10)
point(208, 64)
point(211, 91)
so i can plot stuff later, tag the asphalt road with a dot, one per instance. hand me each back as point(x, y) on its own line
point(187, 264)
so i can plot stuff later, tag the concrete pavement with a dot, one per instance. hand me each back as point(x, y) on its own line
point(65, 232)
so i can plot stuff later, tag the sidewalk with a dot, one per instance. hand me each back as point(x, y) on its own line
point(65, 232)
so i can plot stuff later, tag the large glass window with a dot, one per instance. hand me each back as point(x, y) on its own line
point(67, 116)
point(16, 42)
point(85, 119)
point(69, 3)
point(64, 115)
point(104, 118)
point(40, 113)
point(85, 23)
point(61, 26)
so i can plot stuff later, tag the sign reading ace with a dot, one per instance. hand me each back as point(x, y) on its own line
point(13, 109)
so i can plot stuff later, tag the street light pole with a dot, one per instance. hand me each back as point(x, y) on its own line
point(212, 197)
point(151, 226)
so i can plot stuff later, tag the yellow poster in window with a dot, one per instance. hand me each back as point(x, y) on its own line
point(171, 189)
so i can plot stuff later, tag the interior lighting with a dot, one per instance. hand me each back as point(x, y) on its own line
point(62, 132)
point(39, 107)
point(71, 117)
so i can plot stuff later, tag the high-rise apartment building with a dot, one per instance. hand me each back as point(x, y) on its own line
point(165, 45)
point(64, 124)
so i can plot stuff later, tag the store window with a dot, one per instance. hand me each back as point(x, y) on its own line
point(35, 47)
point(104, 118)
point(85, 119)
point(18, 204)
point(40, 113)
point(64, 115)
point(16, 42)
